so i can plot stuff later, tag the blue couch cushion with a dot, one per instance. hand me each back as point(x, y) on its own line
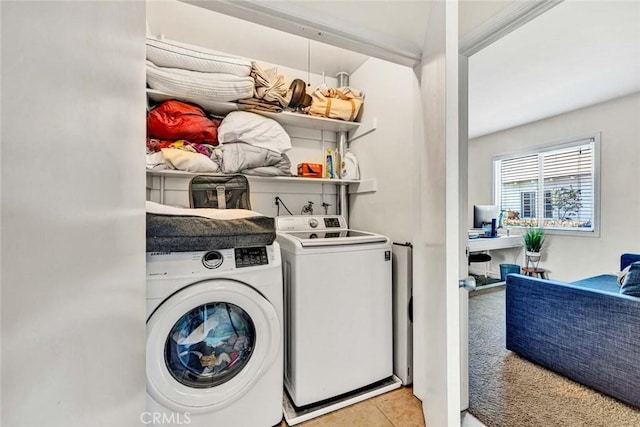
point(627, 259)
point(604, 282)
point(631, 282)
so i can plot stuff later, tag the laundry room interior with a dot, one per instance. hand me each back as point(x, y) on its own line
point(314, 209)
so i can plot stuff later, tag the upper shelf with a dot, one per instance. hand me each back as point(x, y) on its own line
point(285, 118)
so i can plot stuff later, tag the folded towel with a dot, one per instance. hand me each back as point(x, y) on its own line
point(158, 209)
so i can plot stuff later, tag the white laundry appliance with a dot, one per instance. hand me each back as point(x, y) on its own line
point(403, 311)
point(214, 337)
point(338, 307)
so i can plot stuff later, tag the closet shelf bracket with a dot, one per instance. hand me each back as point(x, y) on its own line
point(363, 130)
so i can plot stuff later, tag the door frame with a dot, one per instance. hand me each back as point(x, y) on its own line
point(440, 307)
point(509, 19)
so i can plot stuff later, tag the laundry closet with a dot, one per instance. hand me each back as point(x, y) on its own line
point(381, 138)
point(332, 273)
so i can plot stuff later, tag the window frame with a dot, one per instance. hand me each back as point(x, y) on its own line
point(533, 204)
point(594, 138)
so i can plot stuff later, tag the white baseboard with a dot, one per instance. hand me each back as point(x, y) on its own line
point(479, 271)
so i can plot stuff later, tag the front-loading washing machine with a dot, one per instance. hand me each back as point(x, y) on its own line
point(215, 337)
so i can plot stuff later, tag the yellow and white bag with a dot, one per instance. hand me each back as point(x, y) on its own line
point(336, 103)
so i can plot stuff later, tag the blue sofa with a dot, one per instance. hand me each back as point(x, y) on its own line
point(585, 330)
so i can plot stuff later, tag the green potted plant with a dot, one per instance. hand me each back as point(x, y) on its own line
point(533, 241)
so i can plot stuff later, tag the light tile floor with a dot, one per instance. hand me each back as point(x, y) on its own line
point(397, 408)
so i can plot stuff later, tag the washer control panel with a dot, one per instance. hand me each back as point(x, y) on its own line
point(169, 265)
point(332, 222)
point(310, 222)
point(250, 257)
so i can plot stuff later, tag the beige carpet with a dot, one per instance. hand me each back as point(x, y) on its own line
point(506, 390)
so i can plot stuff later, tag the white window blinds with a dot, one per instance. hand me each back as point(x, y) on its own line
point(552, 187)
point(568, 176)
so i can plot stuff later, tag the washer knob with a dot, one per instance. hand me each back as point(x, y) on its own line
point(212, 259)
point(313, 222)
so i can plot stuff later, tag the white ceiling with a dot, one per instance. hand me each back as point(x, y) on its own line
point(576, 54)
point(391, 30)
point(196, 25)
point(400, 23)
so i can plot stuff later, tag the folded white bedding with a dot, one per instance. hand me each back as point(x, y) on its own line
point(173, 54)
point(188, 161)
point(240, 157)
point(211, 86)
point(225, 214)
point(155, 160)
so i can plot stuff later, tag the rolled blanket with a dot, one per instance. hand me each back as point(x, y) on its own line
point(260, 104)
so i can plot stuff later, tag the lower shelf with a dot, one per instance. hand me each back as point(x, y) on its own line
point(366, 185)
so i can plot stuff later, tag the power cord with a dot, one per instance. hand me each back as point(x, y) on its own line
point(278, 202)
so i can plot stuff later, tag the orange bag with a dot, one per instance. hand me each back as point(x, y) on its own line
point(310, 170)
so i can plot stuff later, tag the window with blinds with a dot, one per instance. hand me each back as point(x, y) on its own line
point(553, 187)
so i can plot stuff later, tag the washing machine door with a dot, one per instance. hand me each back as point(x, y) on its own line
point(208, 344)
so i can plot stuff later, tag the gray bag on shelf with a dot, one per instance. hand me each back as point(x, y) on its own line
point(220, 192)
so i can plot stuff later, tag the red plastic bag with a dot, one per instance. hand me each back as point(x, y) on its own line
point(176, 120)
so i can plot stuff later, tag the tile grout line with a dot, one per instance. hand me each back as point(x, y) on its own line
point(385, 415)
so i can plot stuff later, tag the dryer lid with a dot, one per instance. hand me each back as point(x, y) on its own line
point(330, 238)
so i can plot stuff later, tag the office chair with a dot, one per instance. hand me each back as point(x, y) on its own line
point(481, 257)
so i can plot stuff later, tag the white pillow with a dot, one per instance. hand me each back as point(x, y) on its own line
point(623, 274)
point(254, 129)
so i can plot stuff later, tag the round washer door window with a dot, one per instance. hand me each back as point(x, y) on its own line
point(208, 344)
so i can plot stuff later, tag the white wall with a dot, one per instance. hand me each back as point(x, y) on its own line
point(72, 209)
point(574, 257)
point(386, 154)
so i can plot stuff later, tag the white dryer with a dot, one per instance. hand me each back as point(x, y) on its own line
point(338, 307)
point(214, 337)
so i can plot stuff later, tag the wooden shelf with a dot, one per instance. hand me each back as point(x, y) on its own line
point(285, 118)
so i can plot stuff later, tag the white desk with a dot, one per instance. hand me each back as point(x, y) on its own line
point(489, 244)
